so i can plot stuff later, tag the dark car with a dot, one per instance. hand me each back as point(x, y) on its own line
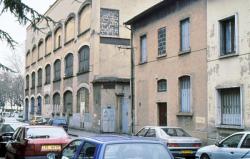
point(59, 122)
point(114, 147)
point(36, 142)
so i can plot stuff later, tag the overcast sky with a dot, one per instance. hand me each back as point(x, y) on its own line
point(18, 32)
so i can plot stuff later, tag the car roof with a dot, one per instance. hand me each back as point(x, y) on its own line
point(39, 126)
point(108, 139)
point(162, 127)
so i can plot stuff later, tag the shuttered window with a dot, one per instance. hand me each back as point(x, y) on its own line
point(40, 77)
point(27, 82)
point(39, 105)
point(69, 65)
point(185, 35)
point(230, 106)
point(56, 102)
point(33, 76)
point(68, 102)
point(47, 72)
point(83, 58)
point(143, 45)
point(185, 94)
point(32, 109)
point(57, 70)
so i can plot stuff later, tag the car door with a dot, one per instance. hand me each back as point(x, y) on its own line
point(71, 150)
point(88, 151)
point(229, 148)
point(9, 146)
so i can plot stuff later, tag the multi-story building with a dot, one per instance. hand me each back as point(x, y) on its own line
point(169, 41)
point(228, 54)
point(79, 67)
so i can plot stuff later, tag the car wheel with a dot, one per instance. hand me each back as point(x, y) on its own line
point(204, 156)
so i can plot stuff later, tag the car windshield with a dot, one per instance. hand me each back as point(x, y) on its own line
point(136, 151)
point(4, 128)
point(46, 132)
point(176, 132)
point(59, 121)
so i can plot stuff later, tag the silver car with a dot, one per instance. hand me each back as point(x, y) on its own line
point(235, 146)
point(179, 142)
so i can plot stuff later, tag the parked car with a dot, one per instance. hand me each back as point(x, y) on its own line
point(6, 132)
point(36, 142)
point(59, 121)
point(234, 146)
point(38, 120)
point(114, 147)
point(179, 142)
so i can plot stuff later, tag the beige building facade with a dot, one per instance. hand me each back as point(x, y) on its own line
point(228, 35)
point(79, 67)
point(169, 42)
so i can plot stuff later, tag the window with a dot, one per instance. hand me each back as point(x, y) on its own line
point(39, 105)
point(70, 150)
point(230, 106)
point(32, 104)
point(232, 141)
point(185, 94)
point(82, 100)
point(68, 102)
point(69, 65)
point(70, 28)
point(56, 102)
point(142, 132)
point(40, 49)
point(27, 82)
point(162, 41)
point(87, 151)
point(83, 58)
point(48, 45)
point(47, 72)
point(47, 100)
point(57, 39)
point(227, 36)
point(143, 45)
point(33, 83)
point(57, 70)
point(40, 77)
point(84, 15)
point(185, 35)
point(162, 85)
point(151, 133)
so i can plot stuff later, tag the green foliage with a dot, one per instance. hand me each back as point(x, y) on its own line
point(24, 15)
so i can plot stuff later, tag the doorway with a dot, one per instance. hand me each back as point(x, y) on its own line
point(162, 114)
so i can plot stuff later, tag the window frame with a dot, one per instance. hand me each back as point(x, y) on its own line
point(159, 85)
point(83, 59)
point(184, 50)
point(47, 74)
point(159, 38)
point(57, 70)
point(181, 80)
point(69, 60)
point(39, 77)
point(143, 51)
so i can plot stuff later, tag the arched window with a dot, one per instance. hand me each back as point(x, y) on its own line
point(70, 28)
point(33, 82)
point(27, 82)
point(82, 101)
point(48, 42)
point(56, 103)
point(39, 77)
point(162, 85)
point(69, 65)
point(57, 37)
point(83, 58)
point(84, 15)
point(47, 99)
point(47, 73)
point(40, 49)
point(32, 105)
point(26, 116)
point(34, 54)
point(39, 105)
point(185, 94)
point(68, 102)
point(57, 70)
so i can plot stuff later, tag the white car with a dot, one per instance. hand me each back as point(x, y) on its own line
point(179, 142)
point(235, 146)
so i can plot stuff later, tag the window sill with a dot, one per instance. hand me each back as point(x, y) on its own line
point(162, 56)
point(69, 41)
point(33, 63)
point(238, 127)
point(142, 63)
point(184, 52)
point(26, 89)
point(47, 83)
point(55, 50)
point(48, 54)
point(27, 67)
point(184, 114)
point(39, 86)
point(67, 77)
point(82, 72)
point(228, 55)
point(32, 88)
point(161, 91)
point(40, 59)
point(56, 80)
point(84, 32)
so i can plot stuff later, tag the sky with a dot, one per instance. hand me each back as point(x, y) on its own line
point(18, 33)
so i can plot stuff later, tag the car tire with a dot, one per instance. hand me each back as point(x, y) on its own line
point(204, 156)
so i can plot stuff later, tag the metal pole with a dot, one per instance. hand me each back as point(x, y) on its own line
point(132, 84)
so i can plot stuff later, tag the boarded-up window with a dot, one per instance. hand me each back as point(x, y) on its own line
point(162, 41)
point(34, 54)
point(39, 77)
point(47, 73)
point(70, 29)
point(83, 58)
point(230, 106)
point(57, 70)
point(185, 35)
point(48, 44)
point(143, 49)
point(227, 36)
point(40, 49)
point(185, 94)
point(57, 38)
point(69, 65)
point(84, 18)
point(82, 100)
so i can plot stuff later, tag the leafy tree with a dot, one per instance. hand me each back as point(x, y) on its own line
point(24, 14)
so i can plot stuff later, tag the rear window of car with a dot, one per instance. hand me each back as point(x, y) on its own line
point(136, 151)
point(46, 132)
point(175, 132)
point(6, 128)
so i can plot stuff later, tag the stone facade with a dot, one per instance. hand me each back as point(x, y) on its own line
point(228, 69)
point(85, 70)
point(160, 96)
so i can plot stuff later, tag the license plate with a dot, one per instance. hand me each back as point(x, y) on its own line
point(51, 148)
point(187, 152)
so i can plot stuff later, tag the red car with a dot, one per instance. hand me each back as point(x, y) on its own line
point(36, 142)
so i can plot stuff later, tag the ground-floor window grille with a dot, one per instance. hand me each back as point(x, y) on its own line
point(230, 106)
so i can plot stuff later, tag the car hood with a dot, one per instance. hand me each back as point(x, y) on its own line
point(183, 140)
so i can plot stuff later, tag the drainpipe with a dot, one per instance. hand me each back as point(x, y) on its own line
point(132, 84)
